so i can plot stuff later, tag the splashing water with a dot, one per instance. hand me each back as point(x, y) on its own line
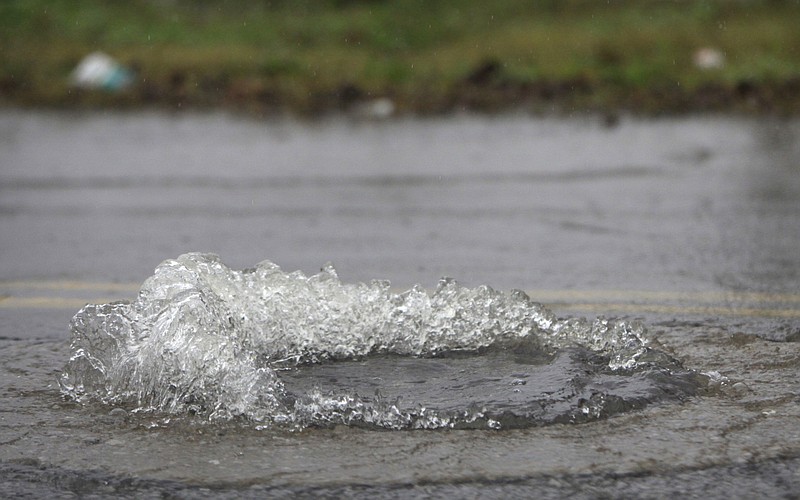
point(283, 348)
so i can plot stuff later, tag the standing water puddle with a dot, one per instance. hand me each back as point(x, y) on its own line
point(284, 349)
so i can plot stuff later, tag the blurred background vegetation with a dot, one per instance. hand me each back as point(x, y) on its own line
point(427, 56)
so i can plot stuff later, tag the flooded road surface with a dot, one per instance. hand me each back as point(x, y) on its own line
point(689, 225)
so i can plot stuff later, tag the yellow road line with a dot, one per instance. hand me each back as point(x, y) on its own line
point(750, 304)
point(606, 307)
point(594, 307)
point(69, 285)
point(48, 302)
point(572, 295)
point(543, 295)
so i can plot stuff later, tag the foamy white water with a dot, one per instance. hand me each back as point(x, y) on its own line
point(204, 339)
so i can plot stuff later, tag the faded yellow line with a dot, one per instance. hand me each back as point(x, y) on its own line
point(596, 301)
point(617, 295)
point(543, 295)
point(594, 307)
point(69, 285)
point(48, 302)
point(607, 307)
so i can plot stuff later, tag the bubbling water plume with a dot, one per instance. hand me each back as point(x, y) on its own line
point(201, 338)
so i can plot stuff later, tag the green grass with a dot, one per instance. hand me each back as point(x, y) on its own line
point(300, 55)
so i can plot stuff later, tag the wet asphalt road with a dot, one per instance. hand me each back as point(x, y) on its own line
point(692, 207)
point(690, 224)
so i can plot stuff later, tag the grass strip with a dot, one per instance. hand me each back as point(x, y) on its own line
point(314, 56)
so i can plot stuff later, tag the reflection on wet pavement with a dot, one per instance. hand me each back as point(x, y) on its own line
point(689, 224)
